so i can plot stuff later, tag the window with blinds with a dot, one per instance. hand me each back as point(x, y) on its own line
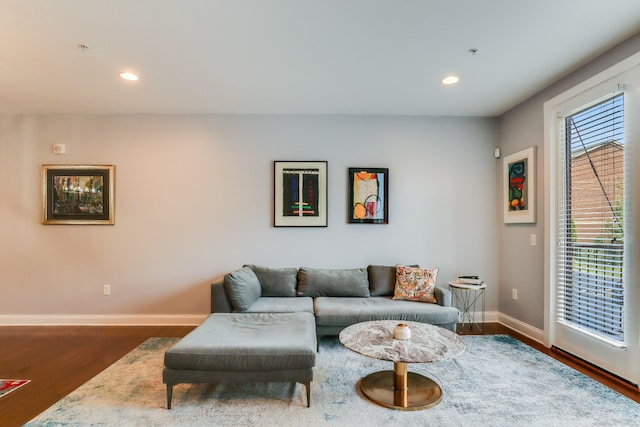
point(591, 222)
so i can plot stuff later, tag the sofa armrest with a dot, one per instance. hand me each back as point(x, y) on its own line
point(443, 296)
point(219, 301)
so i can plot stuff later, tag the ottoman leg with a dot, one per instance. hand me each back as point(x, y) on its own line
point(307, 385)
point(169, 393)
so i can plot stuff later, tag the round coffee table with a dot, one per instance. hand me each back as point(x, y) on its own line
point(399, 389)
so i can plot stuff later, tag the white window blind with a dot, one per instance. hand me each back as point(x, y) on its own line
point(591, 220)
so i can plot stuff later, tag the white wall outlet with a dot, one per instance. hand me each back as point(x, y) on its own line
point(534, 240)
point(59, 148)
point(514, 294)
point(106, 290)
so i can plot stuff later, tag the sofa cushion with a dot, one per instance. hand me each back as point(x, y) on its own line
point(382, 280)
point(282, 305)
point(320, 282)
point(342, 312)
point(415, 284)
point(276, 282)
point(247, 342)
point(243, 288)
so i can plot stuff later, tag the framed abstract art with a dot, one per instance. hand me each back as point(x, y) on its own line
point(368, 196)
point(519, 187)
point(300, 194)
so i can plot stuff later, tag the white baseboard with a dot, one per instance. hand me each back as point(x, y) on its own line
point(102, 319)
point(489, 316)
point(521, 327)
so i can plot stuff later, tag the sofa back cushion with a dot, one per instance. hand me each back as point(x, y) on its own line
point(276, 282)
point(243, 288)
point(382, 280)
point(320, 282)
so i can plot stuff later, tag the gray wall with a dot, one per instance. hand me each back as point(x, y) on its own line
point(522, 266)
point(194, 201)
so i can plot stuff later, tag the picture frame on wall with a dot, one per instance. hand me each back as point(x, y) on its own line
point(300, 193)
point(368, 196)
point(78, 194)
point(519, 187)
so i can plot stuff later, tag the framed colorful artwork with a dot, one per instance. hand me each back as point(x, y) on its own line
point(300, 194)
point(368, 196)
point(73, 194)
point(519, 187)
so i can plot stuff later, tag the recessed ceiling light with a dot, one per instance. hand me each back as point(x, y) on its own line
point(450, 80)
point(129, 76)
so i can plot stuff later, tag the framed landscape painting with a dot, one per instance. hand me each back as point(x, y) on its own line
point(300, 194)
point(368, 196)
point(519, 181)
point(74, 194)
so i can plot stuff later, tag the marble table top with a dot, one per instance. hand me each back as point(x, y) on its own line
point(428, 343)
point(457, 284)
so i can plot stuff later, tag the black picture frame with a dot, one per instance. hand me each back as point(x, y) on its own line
point(368, 196)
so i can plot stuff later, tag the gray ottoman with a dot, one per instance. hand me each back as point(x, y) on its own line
point(244, 348)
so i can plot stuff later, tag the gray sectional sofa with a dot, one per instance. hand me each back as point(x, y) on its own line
point(337, 298)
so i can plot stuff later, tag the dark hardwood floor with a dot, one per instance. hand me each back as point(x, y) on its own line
point(57, 360)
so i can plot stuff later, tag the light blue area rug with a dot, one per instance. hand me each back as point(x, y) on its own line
point(497, 381)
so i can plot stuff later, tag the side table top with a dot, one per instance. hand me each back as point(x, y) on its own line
point(428, 343)
point(457, 284)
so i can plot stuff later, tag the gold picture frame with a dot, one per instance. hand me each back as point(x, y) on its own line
point(78, 194)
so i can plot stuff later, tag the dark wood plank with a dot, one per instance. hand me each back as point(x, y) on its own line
point(59, 359)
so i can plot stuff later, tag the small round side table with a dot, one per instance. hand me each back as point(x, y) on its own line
point(465, 297)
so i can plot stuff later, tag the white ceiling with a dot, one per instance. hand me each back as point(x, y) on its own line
point(296, 56)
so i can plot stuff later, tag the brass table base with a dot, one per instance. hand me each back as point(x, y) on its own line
point(399, 389)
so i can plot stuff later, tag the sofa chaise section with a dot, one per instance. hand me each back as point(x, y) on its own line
point(244, 348)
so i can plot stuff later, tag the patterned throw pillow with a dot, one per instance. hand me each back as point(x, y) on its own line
point(415, 284)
